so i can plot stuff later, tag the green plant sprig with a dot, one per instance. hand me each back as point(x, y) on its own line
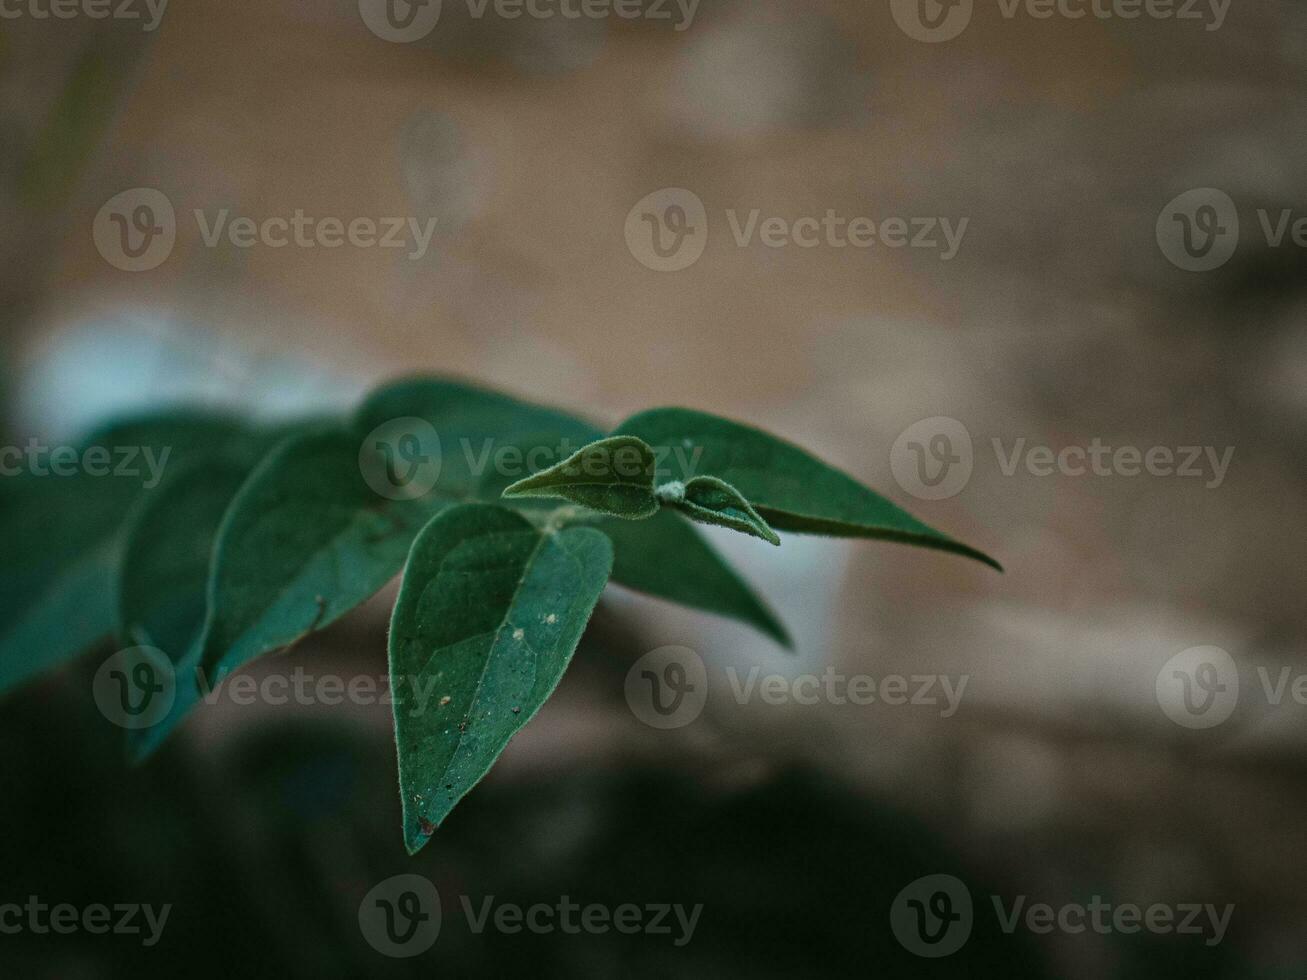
point(257, 537)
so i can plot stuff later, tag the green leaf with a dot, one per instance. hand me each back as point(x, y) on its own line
point(472, 424)
point(163, 582)
point(165, 564)
point(58, 599)
point(667, 557)
point(712, 501)
point(488, 617)
point(304, 541)
point(614, 476)
point(309, 538)
point(789, 488)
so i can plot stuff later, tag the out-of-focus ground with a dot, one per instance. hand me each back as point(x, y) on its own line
point(1058, 322)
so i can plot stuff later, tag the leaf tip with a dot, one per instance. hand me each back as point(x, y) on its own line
point(418, 835)
point(770, 625)
point(521, 488)
point(983, 558)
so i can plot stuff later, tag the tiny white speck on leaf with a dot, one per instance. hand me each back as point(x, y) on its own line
point(519, 633)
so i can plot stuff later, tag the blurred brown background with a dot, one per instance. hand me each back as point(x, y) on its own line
point(1059, 321)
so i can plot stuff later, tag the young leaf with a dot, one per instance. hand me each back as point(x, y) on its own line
point(789, 488)
point(663, 556)
point(614, 476)
point(488, 617)
point(712, 501)
point(667, 557)
point(58, 600)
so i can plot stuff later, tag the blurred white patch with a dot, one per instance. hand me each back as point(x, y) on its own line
point(94, 369)
point(801, 580)
point(1089, 670)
